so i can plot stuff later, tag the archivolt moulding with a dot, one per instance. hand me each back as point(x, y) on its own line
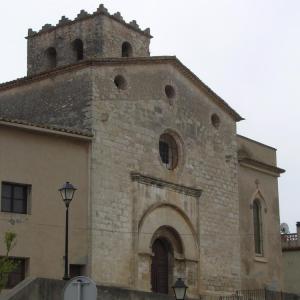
point(258, 194)
point(170, 216)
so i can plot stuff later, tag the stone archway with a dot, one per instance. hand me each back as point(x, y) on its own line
point(165, 231)
point(167, 216)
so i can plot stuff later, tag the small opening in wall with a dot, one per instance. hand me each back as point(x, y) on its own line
point(168, 151)
point(77, 270)
point(170, 91)
point(77, 46)
point(51, 57)
point(120, 82)
point(126, 50)
point(215, 120)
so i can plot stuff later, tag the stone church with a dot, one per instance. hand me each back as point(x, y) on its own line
point(166, 188)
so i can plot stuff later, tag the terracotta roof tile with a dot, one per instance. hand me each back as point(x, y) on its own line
point(48, 127)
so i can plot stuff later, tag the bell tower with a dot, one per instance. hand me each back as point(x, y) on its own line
point(88, 36)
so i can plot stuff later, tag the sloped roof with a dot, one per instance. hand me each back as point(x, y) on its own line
point(128, 61)
point(47, 127)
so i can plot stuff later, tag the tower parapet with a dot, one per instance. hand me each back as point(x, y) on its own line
point(88, 36)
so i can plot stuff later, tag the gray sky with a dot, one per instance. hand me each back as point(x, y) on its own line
point(247, 51)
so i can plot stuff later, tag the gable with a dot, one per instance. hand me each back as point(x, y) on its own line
point(149, 77)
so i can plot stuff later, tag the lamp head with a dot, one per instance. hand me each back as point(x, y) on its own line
point(67, 193)
point(179, 289)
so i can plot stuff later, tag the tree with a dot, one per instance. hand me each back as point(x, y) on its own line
point(7, 265)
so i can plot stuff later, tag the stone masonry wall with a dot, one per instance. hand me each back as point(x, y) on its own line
point(127, 125)
point(62, 100)
point(49, 289)
point(113, 36)
point(102, 36)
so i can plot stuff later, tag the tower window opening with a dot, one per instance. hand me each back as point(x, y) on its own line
point(51, 57)
point(126, 50)
point(77, 46)
point(120, 82)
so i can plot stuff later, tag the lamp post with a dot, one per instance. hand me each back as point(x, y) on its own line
point(67, 192)
point(179, 289)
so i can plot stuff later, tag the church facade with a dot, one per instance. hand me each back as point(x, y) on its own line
point(166, 187)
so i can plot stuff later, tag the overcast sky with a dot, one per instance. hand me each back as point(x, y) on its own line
point(247, 51)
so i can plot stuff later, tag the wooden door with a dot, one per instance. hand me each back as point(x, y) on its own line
point(159, 267)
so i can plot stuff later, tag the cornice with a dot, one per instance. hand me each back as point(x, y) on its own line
point(242, 137)
point(127, 61)
point(260, 166)
point(163, 184)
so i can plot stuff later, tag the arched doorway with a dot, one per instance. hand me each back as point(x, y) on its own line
point(160, 267)
point(173, 228)
point(166, 243)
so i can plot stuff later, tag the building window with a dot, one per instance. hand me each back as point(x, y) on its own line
point(257, 223)
point(126, 50)
point(168, 151)
point(77, 46)
point(18, 274)
point(14, 197)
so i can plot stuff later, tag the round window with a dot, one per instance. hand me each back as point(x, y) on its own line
point(215, 120)
point(170, 91)
point(120, 82)
point(168, 151)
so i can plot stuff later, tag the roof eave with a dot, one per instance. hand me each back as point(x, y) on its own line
point(48, 129)
point(133, 60)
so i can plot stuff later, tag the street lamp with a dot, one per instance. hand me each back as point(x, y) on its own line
point(179, 289)
point(67, 192)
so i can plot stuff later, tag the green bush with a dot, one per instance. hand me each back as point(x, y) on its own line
point(7, 265)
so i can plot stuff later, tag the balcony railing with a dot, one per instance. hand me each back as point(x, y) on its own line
point(289, 237)
point(290, 240)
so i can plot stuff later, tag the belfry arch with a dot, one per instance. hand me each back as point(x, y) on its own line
point(77, 46)
point(51, 58)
